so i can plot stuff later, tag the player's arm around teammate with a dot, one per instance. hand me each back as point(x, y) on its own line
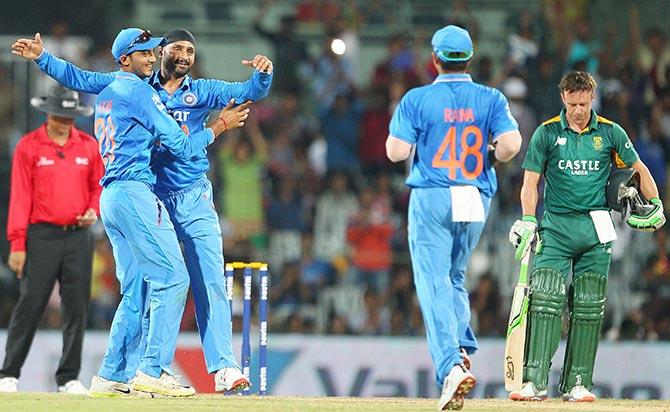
point(75, 78)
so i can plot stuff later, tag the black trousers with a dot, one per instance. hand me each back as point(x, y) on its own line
point(52, 254)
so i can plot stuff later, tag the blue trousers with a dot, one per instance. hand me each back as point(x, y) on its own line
point(153, 279)
point(197, 226)
point(440, 251)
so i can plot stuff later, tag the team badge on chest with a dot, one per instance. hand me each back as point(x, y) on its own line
point(189, 99)
point(597, 142)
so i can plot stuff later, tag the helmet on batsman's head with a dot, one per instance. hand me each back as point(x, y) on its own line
point(132, 40)
point(622, 188)
point(452, 44)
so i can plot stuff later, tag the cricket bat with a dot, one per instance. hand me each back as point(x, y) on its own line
point(516, 330)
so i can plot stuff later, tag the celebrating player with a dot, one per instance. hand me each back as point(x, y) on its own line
point(574, 151)
point(182, 185)
point(129, 120)
point(452, 180)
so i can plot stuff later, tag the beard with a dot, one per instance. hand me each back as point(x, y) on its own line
point(172, 67)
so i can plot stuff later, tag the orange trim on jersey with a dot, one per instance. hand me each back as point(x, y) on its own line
point(617, 160)
point(552, 120)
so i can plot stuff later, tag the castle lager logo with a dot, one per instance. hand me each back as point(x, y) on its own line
point(579, 167)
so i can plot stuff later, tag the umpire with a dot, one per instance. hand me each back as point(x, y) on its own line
point(53, 201)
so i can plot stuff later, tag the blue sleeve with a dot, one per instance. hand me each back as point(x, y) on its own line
point(71, 76)
point(220, 92)
point(154, 117)
point(502, 120)
point(402, 124)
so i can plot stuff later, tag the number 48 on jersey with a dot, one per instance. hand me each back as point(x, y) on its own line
point(468, 144)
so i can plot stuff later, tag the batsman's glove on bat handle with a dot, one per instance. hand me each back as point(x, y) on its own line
point(524, 236)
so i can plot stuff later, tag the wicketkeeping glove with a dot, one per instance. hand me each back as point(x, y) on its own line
point(523, 236)
point(649, 221)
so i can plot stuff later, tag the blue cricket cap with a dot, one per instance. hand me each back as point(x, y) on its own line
point(452, 44)
point(132, 40)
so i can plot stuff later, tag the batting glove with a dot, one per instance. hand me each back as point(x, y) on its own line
point(651, 221)
point(523, 236)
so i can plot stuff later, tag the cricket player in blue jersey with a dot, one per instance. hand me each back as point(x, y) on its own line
point(182, 184)
point(450, 123)
point(129, 120)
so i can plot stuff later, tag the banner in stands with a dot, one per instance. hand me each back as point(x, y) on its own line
point(366, 366)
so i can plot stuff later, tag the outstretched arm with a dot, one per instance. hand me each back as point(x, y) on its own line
point(254, 89)
point(64, 72)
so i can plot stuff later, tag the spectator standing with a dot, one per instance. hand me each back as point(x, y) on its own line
point(284, 217)
point(369, 236)
point(53, 201)
point(341, 126)
point(333, 210)
point(290, 52)
point(242, 163)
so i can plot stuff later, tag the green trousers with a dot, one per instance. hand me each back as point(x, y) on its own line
point(570, 245)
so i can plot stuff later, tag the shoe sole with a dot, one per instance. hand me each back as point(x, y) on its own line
point(160, 391)
point(238, 386)
point(518, 398)
point(587, 399)
point(108, 395)
point(456, 401)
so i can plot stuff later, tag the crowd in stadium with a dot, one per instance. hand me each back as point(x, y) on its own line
point(307, 187)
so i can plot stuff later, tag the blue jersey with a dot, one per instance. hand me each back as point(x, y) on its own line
point(189, 105)
point(129, 120)
point(451, 123)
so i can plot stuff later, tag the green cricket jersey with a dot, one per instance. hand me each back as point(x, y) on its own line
point(576, 166)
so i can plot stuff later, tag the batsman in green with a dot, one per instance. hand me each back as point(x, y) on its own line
point(575, 152)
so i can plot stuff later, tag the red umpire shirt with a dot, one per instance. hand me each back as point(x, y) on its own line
point(52, 183)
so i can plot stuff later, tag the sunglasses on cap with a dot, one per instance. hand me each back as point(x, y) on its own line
point(144, 37)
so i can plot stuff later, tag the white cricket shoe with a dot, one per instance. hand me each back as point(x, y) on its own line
point(230, 380)
point(9, 385)
point(103, 388)
point(456, 385)
point(73, 387)
point(528, 392)
point(579, 393)
point(167, 385)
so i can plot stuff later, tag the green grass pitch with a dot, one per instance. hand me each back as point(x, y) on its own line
point(58, 402)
